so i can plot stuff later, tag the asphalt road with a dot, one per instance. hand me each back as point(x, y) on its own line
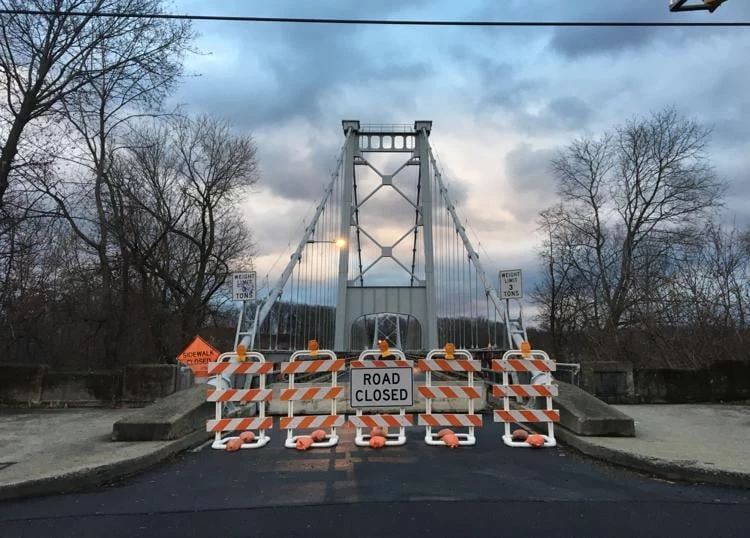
point(410, 491)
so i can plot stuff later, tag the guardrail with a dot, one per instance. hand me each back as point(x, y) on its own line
point(571, 372)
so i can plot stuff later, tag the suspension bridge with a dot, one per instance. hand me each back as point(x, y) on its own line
point(384, 257)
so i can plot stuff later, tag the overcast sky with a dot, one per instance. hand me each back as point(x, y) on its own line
point(502, 100)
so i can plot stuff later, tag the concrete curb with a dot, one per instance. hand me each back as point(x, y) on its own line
point(97, 476)
point(669, 469)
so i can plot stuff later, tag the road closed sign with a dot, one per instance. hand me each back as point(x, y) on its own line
point(381, 387)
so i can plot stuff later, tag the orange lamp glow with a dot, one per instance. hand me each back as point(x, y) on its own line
point(313, 347)
point(449, 349)
point(525, 349)
point(241, 353)
point(383, 346)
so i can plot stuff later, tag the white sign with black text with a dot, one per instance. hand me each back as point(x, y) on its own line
point(511, 284)
point(381, 387)
point(243, 286)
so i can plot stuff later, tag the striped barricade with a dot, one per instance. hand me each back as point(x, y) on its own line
point(328, 363)
point(361, 399)
point(541, 367)
point(250, 362)
point(433, 363)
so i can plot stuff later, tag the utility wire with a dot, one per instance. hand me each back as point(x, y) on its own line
point(379, 22)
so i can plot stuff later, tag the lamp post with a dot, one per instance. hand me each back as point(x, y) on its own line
point(339, 242)
point(698, 5)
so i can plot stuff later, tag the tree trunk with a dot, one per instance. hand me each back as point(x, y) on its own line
point(10, 149)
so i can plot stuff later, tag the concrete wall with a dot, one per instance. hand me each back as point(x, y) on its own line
point(82, 388)
point(28, 385)
point(21, 384)
point(144, 382)
point(618, 382)
point(610, 381)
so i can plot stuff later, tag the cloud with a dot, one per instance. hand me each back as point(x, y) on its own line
point(576, 43)
point(297, 160)
point(270, 73)
point(561, 114)
point(529, 170)
point(501, 101)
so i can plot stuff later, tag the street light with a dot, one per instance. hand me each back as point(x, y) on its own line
point(339, 242)
point(683, 5)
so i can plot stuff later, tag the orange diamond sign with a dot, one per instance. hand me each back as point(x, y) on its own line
point(197, 356)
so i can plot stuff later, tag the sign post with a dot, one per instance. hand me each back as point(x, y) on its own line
point(244, 286)
point(511, 284)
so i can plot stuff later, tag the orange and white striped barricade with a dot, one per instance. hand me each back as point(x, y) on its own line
point(434, 363)
point(534, 362)
point(307, 393)
point(250, 362)
point(375, 374)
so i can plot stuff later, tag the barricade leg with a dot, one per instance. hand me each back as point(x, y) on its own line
point(330, 440)
point(220, 442)
point(391, 439)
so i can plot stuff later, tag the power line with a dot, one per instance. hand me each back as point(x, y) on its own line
point(378, 22)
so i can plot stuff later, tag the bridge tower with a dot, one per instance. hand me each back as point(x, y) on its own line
point(354, 298)
point(436, 289)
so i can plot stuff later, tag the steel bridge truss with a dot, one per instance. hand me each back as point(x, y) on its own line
point(435, 229)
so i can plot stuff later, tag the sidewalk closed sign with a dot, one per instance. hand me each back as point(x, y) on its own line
point(197, 355)
point(381, 387)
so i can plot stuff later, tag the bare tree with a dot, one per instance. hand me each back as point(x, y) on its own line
point(44, 59)
point(643, 184)
point(555, 292)
point(183, 228)
point(138, 69)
